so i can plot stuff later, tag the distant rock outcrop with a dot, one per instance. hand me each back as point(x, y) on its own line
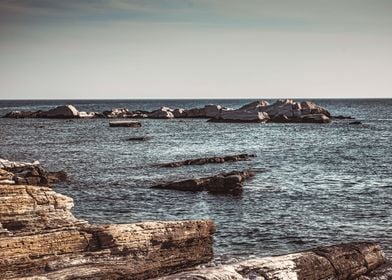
point(284, 110)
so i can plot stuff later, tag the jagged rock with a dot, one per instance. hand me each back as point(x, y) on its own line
point(254, 105)
point(241, 116)
point(225, 183)
point(87, 115)
point(125, 124)
point(162, 113)
point(200, 161)
point(41, 239)
point(12, 172)
point(118, 113)
point(339, 262)
point(179, 113)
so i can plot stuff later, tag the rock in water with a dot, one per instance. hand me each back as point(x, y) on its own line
point(67, 111)
point(200, 161)
point(125, 124)
point(241, 116)
point(162, 113)
point(224, 183)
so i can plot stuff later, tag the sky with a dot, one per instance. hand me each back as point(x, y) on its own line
point(108, 49)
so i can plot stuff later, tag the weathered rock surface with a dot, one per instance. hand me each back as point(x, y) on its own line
point(282, 111)
point(201, 161)
point(125, 124)
point(162, 113)
point(67, 111)
point(41, 239)
point(224, 183)
point(20, 173)
point(241, 116)
point(339, 262)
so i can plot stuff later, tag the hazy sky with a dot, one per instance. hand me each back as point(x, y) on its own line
point(195, 49)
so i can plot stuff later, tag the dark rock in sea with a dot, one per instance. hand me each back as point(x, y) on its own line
point(200, 161)
point(355, 122)
point(125, 124)
point(224, 183)
point(341, 117)
point(141, 138)
point(313, 118)
point(63, 112)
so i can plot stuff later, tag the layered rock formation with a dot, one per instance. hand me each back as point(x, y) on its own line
point(224, 183)
point(201, 161)
point(339, 262)
point(282, 111)
point(39, 236)
point(12, 172)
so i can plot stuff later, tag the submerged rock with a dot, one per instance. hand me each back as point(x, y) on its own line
point(200, 161)
point(140, 138)
point(355, 123)
point(125, 124)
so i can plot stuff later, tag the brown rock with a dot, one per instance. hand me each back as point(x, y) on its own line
point(224, 183)
point(339, 262)
point(41, 239)
point(201, 161)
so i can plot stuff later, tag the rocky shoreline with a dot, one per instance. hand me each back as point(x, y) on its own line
point(281, 111)
point(41, 239)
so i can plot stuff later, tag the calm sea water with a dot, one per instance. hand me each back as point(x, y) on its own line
point(321, 184)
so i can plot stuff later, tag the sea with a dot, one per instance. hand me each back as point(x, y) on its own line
point(315, 184)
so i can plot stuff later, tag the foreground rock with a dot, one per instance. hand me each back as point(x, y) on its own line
point(12, 172)
point(225, 183)
point(339, 262)
point(40, 237)
point(201, 161)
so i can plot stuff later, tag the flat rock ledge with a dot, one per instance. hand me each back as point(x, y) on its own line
point(207, 160)
point(338, 262)
point(41, 239)
point(225, 183)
